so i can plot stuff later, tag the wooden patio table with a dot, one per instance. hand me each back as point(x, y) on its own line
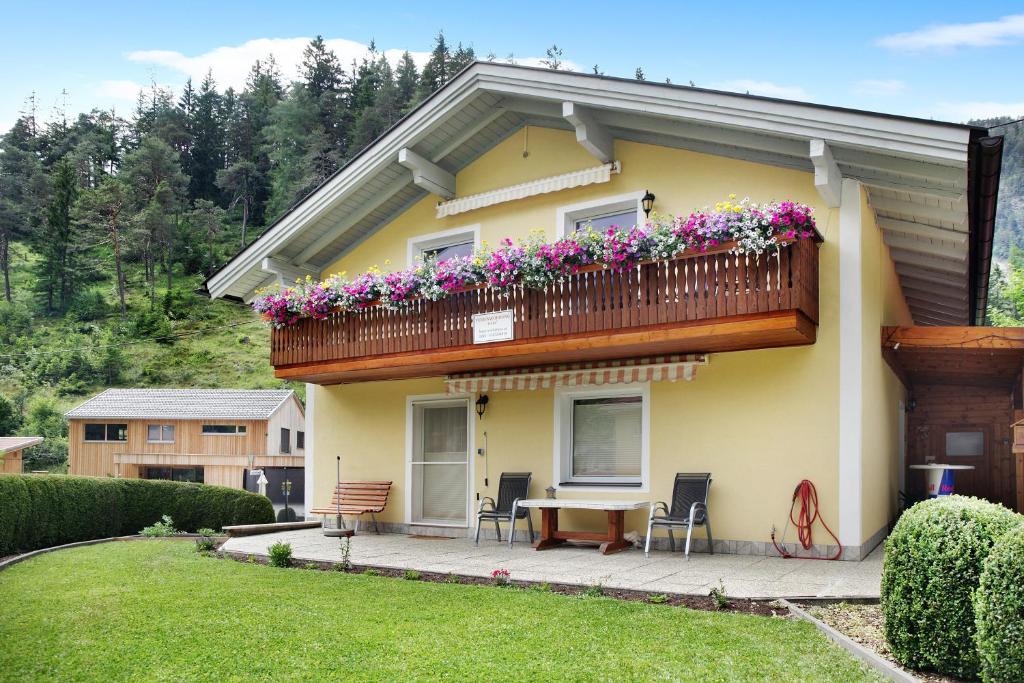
point(551, 536)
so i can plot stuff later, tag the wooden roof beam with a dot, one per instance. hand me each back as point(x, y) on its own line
point(828, 180)
point(921, 230)
point(955, 337)
point(591, 135)
point(951, 267)
point(957, 215)
point(929, 248)
point(427, 175)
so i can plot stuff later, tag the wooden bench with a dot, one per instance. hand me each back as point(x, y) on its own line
point(356, 498)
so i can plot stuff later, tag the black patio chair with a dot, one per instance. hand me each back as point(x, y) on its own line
point(689, 509)
point(512, 487)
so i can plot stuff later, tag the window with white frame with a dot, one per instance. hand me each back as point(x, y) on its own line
point(602, 436)
point(622, 211)
point(160, 433)
point(444, 245)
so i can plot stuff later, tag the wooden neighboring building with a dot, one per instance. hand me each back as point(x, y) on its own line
point(211, 436)
point(11, 448)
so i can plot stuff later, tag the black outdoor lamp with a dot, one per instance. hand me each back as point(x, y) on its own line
point(647, 201)
point(481, 405)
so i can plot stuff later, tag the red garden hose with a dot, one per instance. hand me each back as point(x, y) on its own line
point(809, 513)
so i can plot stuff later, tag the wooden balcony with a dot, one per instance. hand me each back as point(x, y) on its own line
point(710, 302)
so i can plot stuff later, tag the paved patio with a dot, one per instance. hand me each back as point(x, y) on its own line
point(746, 576)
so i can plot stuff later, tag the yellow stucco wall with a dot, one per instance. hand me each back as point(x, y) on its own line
point(883, 304)
point(760, 421)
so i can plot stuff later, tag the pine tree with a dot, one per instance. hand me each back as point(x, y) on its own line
point(57, 271)
point(22, 190)
point(324, 81)
point(406, 81)
point(437, 70)
point(207, 219)
point(554, 59)
point(238, 181)
point(105, 210)
point(157, 187)
point(206, 153)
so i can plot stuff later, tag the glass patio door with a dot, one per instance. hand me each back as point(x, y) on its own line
point(440, 463)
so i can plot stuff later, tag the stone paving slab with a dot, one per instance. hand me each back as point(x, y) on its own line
point(751, 576)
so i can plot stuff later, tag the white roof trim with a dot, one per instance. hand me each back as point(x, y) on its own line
point(932, 150)
point(588, 176)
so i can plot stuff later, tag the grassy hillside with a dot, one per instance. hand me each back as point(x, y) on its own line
point(48, 364)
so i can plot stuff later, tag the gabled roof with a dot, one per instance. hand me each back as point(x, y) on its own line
point(17, 443)
point(183, 404)
point(931, 184)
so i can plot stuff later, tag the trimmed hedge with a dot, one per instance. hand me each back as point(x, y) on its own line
point(933, 561)
point(999, 610)
point(40, 511)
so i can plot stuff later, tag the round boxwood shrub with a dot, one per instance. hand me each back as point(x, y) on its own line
point(933, 561)
point(999, 610)
point(39, 511)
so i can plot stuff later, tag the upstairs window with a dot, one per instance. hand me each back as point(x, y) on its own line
point(623, 211)
point(160, 433)
point(106, 432)
point(441, 246)
point(230, 430)
point(602, 221)
point(300, 440)
point(286, 440)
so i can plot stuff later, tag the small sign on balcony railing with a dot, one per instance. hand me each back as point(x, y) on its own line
point(492, 327)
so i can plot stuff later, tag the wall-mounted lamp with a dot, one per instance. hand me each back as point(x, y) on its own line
point(481, 405)
point(647, 202)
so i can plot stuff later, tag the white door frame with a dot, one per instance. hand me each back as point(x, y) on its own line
point(410, 403)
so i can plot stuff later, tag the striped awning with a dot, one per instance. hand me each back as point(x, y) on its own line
point(627, 371)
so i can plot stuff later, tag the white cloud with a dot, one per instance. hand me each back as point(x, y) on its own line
point(1004, 31)
point(230, 64)
point(767, 88)
point(964, 111)
point(872, 86)
point(119, 90)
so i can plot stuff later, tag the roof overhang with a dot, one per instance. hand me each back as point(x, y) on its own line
point(932, 185)
point(18, 443)
point(974, 356)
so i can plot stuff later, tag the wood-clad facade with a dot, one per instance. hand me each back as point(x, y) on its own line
point(965, 387)
point(222, 458)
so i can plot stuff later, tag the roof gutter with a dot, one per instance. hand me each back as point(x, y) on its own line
point(984, 163)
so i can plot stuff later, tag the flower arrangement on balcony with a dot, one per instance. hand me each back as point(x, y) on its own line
point(534, 263)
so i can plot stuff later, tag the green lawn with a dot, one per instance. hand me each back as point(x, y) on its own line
point(155, 610)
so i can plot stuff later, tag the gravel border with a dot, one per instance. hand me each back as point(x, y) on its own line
point(866, 655)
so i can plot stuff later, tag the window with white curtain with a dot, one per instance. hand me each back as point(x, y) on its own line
point(602, 437)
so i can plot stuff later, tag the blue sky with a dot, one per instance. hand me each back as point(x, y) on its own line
point(945, 60)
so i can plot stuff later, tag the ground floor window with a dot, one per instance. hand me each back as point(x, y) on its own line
point(189, 474)
point(602, 437)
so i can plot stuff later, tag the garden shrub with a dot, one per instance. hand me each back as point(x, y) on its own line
point(42, 511)
point(933, 561)
point(999, 610)
point(280, 555)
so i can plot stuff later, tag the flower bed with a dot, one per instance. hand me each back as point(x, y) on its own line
point(535, 264)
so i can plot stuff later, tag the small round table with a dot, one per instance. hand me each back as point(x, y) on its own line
point(940, 477)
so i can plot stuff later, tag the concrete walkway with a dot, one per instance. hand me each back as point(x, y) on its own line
point(744, 576)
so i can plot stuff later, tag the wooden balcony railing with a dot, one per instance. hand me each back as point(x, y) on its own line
point(755, 301)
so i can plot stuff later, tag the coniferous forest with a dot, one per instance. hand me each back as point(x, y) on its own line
point(110, 222)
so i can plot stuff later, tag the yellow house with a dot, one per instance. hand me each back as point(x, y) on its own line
point(762, 370)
